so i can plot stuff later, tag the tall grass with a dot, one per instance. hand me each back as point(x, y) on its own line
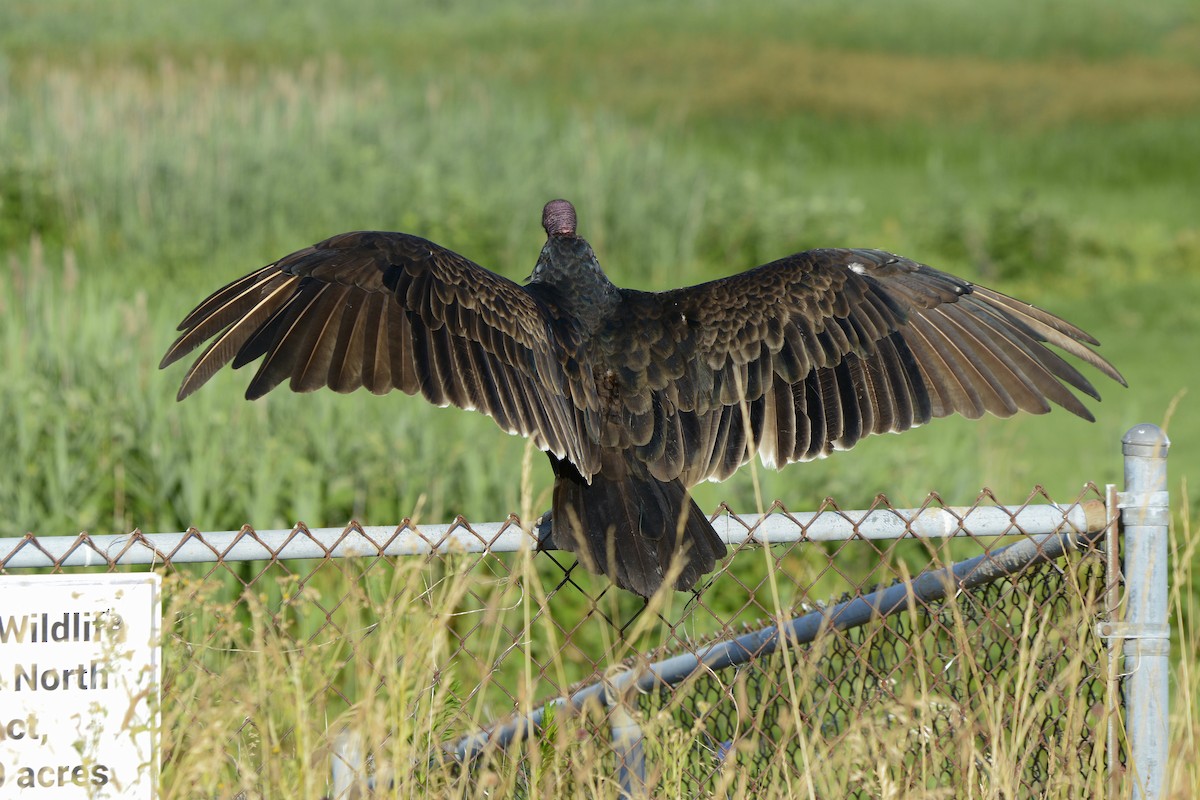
point(137, 191)
point(261, 695)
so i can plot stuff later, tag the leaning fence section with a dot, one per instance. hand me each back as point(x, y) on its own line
point(916, 667)
point(838, 653)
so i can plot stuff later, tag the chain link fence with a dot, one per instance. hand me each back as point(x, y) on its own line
point(884, 652)
point(914, 668)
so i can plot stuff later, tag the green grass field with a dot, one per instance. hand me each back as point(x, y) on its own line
point(151, 152)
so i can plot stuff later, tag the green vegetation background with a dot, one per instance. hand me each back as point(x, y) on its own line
point(151, 152)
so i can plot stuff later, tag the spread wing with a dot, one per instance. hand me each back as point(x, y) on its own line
point(817, 350)
point(392, 311)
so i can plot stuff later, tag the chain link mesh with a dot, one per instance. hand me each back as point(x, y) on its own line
point(902, 691)
point(373, 660)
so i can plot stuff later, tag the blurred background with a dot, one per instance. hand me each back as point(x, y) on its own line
point(150, 152)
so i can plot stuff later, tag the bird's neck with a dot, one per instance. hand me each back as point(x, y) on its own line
point(568, 266)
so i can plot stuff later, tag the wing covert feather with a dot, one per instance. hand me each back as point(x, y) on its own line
point(393, 311)
point(825, 347)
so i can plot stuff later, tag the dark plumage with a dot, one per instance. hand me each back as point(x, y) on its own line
point(637, 396)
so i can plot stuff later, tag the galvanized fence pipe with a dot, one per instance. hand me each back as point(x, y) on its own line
point(408, 539)
point(1145, 634)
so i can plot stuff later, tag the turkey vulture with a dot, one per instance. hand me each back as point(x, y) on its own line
point(636, 396)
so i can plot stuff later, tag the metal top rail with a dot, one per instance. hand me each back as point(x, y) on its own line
point(408, 538)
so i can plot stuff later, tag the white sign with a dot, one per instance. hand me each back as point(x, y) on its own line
point(79, 682)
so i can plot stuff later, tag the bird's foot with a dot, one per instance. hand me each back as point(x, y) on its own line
point(545, 532)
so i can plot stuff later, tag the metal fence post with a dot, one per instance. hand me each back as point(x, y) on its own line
point(1145, 515)
point(631, 757)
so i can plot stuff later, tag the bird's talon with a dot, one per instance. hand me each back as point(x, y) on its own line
point(545, 532)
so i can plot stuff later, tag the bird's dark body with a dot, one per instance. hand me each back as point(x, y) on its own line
point(635, 395)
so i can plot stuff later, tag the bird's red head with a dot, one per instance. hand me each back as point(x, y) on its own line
point(558, 218)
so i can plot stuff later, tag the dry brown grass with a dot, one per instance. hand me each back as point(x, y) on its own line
point(716, 77)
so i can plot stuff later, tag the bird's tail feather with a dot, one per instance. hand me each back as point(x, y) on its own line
point(629, 525)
